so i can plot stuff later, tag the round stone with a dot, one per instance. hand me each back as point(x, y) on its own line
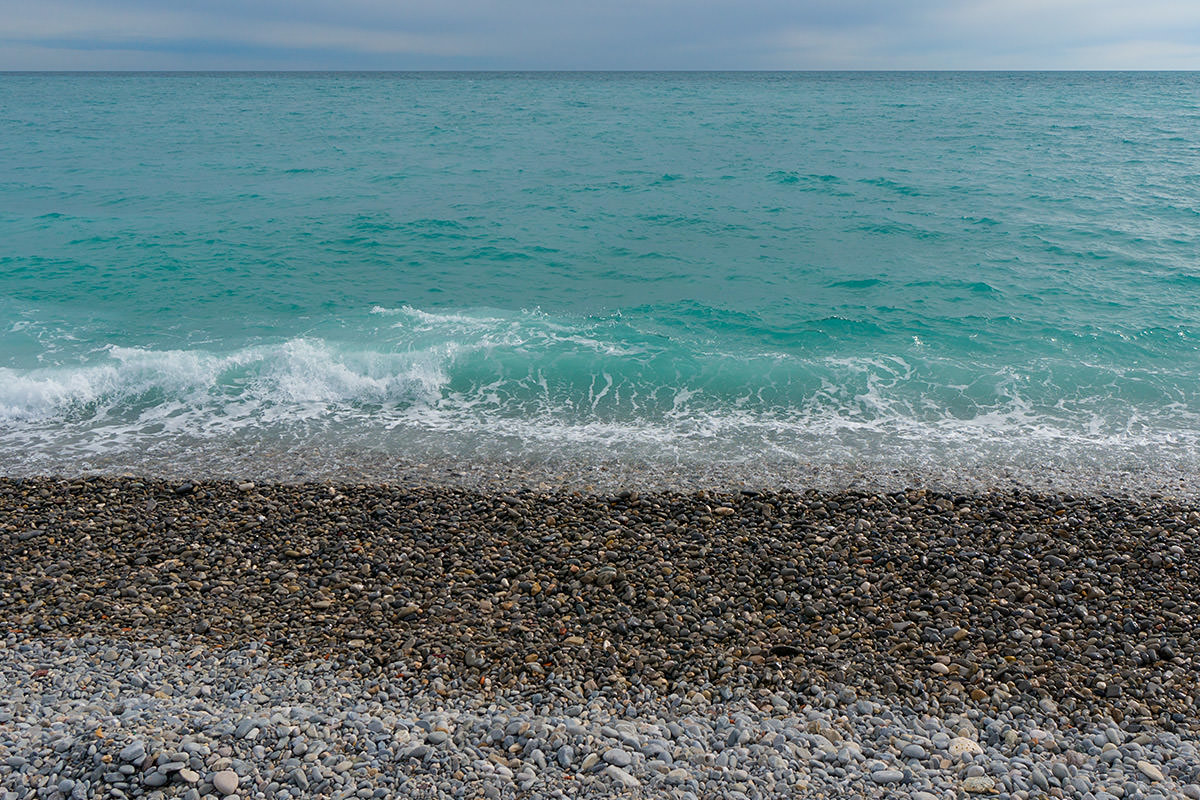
point(225, 781)
point(618, 757)
point(961, 745)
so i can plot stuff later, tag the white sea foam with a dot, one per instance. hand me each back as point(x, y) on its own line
point(37, 394)
point(500, 388)
point(299, 371)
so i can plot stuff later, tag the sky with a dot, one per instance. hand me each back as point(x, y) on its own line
point(599, 34)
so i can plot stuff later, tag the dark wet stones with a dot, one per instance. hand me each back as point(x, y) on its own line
point(1072, 606)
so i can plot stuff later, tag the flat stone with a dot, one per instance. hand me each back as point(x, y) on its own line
point(978, 784)
point(887, 776)
point(132, 751)
point(416, 752)
point(188, 775)
point(225, 781)
point(961, 745)
point(621, 777)
point(1149, 770)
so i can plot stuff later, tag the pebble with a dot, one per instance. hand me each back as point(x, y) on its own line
point(225, 781)
point(1149, 770)
point(978, 784)
point(792, 644)
point(961, 745)
point(132, 751)
point(621, 777)
point(886, 776)
point(618, 757)
point(326, 733)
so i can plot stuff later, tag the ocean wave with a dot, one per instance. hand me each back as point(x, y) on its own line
point(466, 382)
point(133, 380)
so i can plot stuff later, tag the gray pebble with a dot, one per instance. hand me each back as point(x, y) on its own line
point(618, 757)
point(621, 777)
point(887, 776)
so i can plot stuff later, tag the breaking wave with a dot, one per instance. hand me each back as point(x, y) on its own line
point(475, 383)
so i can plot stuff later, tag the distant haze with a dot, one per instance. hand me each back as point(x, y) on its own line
point(610, 34)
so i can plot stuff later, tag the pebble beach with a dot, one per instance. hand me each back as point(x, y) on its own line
point(697, 435)
point(227, 639)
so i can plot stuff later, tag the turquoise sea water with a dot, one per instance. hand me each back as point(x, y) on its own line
point(954, 273)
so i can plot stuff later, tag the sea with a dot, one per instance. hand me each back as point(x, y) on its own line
point(941, 279)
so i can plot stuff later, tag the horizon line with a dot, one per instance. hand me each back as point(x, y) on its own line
point(345, 70)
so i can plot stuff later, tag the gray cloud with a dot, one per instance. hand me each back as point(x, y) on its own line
point(618, 34)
